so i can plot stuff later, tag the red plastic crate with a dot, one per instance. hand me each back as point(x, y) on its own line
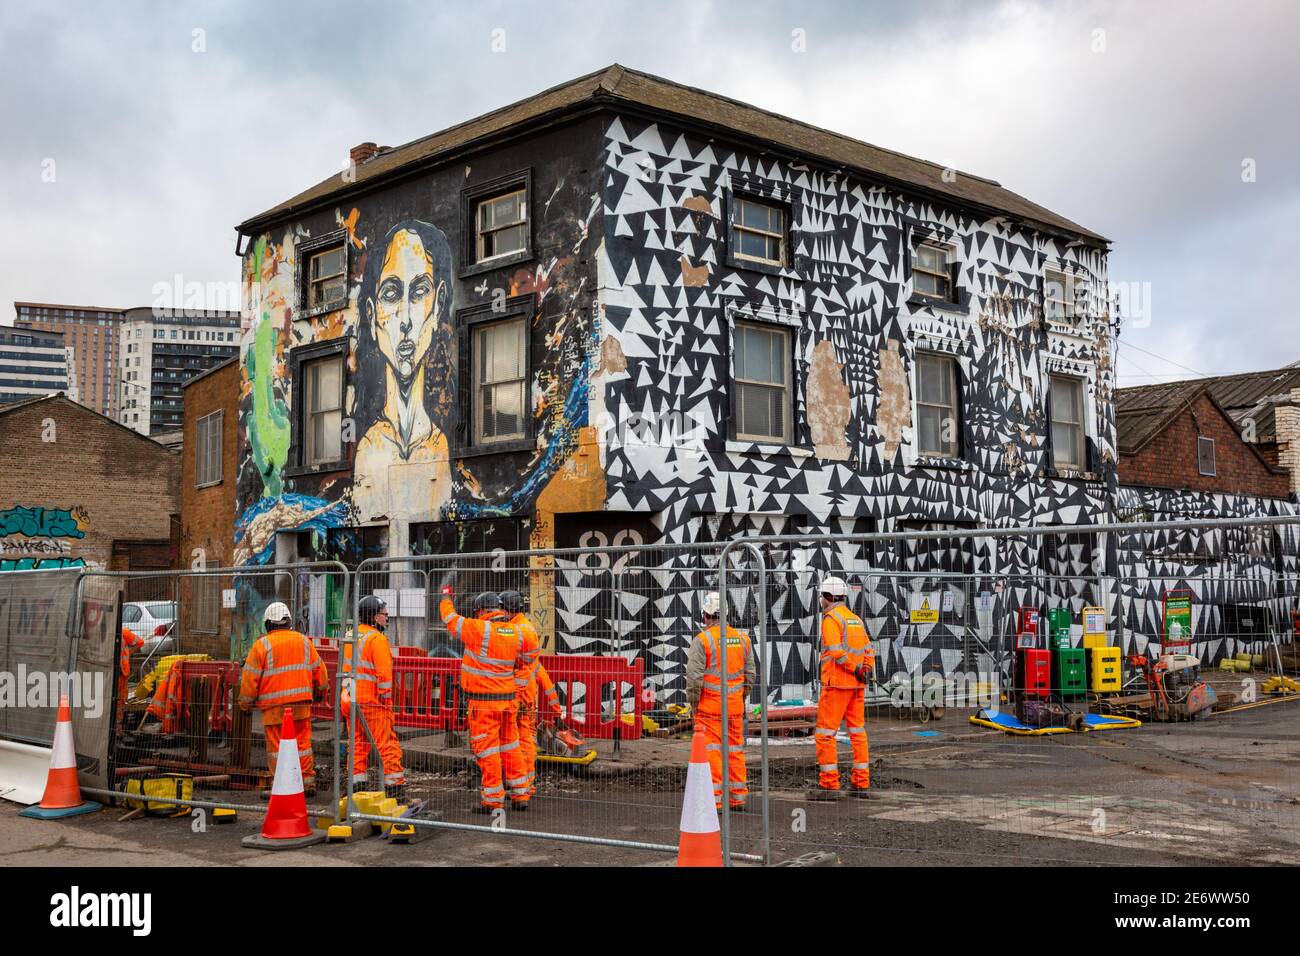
point(1035, 672)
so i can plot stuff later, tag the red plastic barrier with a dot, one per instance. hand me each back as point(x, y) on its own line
point(405, 651)
point(426, 692)
point(224, 691)
point(323, 709)
point(600, 677)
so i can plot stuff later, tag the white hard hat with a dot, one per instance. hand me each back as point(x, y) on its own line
point(277, 613)
point(712, 604)
point(834, 586)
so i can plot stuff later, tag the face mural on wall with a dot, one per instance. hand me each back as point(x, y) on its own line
point(405, 387)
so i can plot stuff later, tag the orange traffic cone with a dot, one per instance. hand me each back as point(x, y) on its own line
point(62, 796)
point(285, 826)
point(701, 838)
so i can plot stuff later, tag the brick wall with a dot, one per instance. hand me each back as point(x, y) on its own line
point(99, 482)
point(207, 515)
point(1169, 460)
point(1288, 438)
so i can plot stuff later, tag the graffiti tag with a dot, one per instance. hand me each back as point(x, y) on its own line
point(40, 522)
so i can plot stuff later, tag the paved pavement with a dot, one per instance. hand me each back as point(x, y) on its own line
point(1222, 790)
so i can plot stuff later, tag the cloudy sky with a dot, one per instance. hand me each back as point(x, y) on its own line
point(135, 135)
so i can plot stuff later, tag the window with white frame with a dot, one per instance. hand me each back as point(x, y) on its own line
point(1068, 427)
point(207, 450)
point(937, 414)
point(1205, 463)
point(326, 283)
point(758, 232)
point(931, 271)
point(1063, 295)
point(499, 380)
point(323, 412)
point(762, 383)
point(501, 224)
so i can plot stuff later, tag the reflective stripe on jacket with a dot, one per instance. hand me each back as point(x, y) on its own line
point(130, 639)
point(530, 650)
point(281, 669)
point(493, 650)
point(740, 670)
point(374, 676)
point(550, 700)
point(845, 645)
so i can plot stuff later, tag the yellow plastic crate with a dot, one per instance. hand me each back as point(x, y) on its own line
point(1104, 671)
point(1094, 640)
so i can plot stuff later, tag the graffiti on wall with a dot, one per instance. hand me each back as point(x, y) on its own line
point(405, 386)
point(405, 404)
point(41, 538)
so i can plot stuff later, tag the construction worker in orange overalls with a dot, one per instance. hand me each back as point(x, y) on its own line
point(527, 681)
point(372, 688)
point(130, 641)
point(704, 693)
point(283, 670)
point(495, 650)
point(846, 661)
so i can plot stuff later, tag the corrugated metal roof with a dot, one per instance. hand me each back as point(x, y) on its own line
point(1142, 410)
point(618, 86)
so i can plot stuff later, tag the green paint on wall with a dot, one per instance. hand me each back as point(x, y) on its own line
point(268, 432)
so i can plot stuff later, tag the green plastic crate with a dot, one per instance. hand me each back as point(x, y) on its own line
point(1070, 672)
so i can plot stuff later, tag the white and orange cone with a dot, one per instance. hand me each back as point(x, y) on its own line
point(286, 826)
point(62, 796)
point(701, 837)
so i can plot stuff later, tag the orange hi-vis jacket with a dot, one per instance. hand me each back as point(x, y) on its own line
point(845, 645)
point(738, 651)
point(130, 639)
point(493, 649)
point(374, 676)
point(281, 669)
point(529, 665)
point(550, 702)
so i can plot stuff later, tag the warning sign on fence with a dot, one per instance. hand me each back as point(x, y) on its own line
point(925, 614)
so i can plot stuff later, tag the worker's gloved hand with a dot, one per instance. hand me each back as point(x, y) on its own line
point(449, 579)
point(861, 673)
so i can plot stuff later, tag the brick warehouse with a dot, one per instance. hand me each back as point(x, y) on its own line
point(80, 490)
point(629, 311)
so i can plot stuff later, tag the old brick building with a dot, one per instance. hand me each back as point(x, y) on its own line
point(209, 466)
point(1182, 438)
point(80, 490)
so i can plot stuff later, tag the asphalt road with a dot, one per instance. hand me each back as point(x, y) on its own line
point(1219, 791)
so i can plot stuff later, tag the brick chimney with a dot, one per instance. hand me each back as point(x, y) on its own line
point(363, 152)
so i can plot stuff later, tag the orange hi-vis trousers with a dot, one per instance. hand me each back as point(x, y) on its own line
point(379, 718)
point(842, 704)
point(302, 728)
point(737, 782)
point(528, 746)
point(494, 738)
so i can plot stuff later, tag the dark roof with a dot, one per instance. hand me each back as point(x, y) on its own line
point(1247, 395)
point(1143, 413)
point(617, 86)
point(60, 397)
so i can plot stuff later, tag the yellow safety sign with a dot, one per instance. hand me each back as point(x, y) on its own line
point(925, 614)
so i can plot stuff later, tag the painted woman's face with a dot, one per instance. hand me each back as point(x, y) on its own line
point(406, 306)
